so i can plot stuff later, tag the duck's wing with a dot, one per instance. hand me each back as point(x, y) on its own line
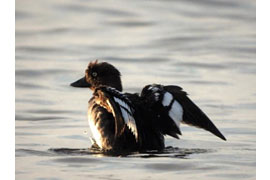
point(120, 106)
point(101, 123)
point(173, 106)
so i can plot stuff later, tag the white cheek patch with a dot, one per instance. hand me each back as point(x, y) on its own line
point(94, 131)
point(167, 98)
point(176, 113)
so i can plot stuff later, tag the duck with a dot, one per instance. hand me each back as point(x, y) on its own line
point(136, 121)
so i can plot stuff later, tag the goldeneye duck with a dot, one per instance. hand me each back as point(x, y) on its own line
point(131, 122)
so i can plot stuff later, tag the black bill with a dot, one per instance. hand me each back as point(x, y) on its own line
point(82, 83)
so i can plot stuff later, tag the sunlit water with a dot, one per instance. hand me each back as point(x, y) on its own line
point(207, 47)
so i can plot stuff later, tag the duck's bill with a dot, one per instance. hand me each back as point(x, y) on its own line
point(82, 83)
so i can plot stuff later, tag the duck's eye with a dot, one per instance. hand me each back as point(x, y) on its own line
point(94, 74)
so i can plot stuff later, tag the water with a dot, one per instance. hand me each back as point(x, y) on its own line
point(207, 47)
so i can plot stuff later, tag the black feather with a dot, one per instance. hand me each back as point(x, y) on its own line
point(193, 115)
point(161, 119)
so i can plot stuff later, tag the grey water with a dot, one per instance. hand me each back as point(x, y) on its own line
point(208, 47)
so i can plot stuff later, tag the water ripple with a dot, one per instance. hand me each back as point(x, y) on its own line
point(38, 73)
point(169, 151)
point(130, 24)
point(34, 118)
point(82, 8)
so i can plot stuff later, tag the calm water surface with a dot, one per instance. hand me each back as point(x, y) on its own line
point(207, 47)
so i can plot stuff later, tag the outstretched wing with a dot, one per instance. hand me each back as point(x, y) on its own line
point(120, 106)
point(175, 107)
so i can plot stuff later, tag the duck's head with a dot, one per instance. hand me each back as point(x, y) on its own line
point(100, 74)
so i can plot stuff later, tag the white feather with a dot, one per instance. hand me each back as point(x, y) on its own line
point(132, 125)
point(122, 103)
point(167, 98)
point(124, 114)
point(176, 113)
point(127, 116)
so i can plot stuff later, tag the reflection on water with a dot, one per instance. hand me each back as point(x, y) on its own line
point(208, 47)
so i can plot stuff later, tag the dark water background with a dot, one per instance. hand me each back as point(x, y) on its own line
point(207, 47)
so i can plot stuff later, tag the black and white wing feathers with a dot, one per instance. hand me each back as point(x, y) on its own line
point(167, 112)
point(120, 106)
point(175, 105)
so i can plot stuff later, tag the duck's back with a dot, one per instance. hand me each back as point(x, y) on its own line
point(150, 137)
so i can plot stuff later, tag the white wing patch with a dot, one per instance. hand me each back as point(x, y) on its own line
point(127, 116)
point(122, 103)
point(167, 98)
point(176, 113)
